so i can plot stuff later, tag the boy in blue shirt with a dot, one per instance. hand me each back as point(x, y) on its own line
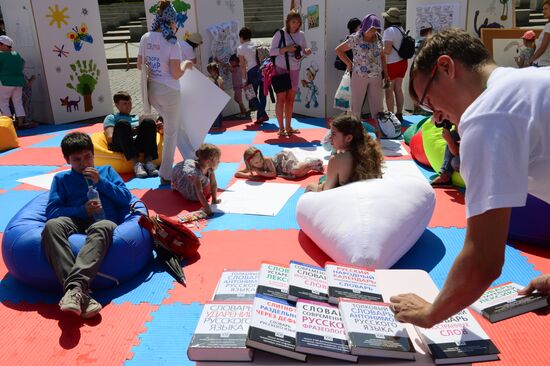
point(120, 129)
point(69, 212)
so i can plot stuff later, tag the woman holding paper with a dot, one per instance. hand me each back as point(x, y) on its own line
point(160, 53)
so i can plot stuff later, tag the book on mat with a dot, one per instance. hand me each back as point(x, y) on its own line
point(503, 302)
point(236, 286)
point(320, 331)
point(222, 332)
point(307, 282)
point(373, 331)
point(273, 280)
point(459, 339)
point(273, 327)
point(351, 282)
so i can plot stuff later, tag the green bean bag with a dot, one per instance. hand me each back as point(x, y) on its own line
point(413, 129)
point(434, 147)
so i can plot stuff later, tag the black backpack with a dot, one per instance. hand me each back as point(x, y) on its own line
point(407, 49)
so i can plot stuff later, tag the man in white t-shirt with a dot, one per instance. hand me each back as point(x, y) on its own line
point(502, 117)
point(251, 73)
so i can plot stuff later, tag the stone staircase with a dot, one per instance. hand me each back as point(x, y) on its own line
point(529, 14)
point(263, 16)
point(123, 25)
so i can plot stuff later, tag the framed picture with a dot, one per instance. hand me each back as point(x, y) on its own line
point(504, 44)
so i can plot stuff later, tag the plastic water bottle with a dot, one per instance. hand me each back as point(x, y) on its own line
point(93, 195)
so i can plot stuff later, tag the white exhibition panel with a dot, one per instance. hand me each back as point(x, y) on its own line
point(310, 98)
point(337, 19)
point(20, 27)
point(62, 44)
point(211, 13)
point(490, 14)
point(415, 20)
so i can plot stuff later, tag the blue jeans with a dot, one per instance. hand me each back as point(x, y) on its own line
point(451, 163)
point(253, 76)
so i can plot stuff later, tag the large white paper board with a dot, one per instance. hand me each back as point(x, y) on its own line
point(255, 198)
point(41, 181)
point(490, 14)
point(202, 101)
point(393, 148)
point(313, 152)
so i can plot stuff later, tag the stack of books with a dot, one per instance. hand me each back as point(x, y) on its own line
point(336, 312)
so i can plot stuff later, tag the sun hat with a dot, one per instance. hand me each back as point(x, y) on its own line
point(529, 35)
point(196, 38)
point(393, 15)
point(6, 41)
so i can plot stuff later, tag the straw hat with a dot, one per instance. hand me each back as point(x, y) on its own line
point(393, 15)
point(196, 38)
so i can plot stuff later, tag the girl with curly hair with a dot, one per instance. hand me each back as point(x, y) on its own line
point(358, 156)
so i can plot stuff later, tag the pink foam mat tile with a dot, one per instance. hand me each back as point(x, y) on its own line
point(241, 250)
point(34, 156)
point(313, 135)
point(450, 210)
point(40, 334)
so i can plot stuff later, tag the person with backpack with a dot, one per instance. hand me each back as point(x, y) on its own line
point(394, 39)
point(250, 67)
point(353, 26)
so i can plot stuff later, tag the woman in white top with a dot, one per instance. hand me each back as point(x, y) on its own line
point(397, 66)
point(541, 57)
point(164, 67)
point(296, 48)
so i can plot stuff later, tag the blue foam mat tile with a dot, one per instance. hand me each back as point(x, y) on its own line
point(144, 183)
point(10, 174)
point(225, 173)
point(284, 220)
point(53, 141)
point(437, 249)
point(231, 138)
point(298, 123)
point(45, 129)
point(11, 202)
point(16, 292)
point(170, 323)
point(428, 173)
point(412, 119)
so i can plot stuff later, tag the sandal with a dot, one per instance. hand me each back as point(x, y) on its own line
point(439, 182)
point(282, 132)
point(291, 131)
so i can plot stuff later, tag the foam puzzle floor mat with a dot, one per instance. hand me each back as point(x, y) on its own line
point(150, 319)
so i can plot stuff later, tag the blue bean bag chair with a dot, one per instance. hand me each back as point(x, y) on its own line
point(529, 224)
point(25, 259)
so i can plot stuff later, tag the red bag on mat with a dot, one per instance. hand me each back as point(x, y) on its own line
point(171, 234)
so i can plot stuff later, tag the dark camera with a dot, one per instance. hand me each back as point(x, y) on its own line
point(446, 124)
point(298, 52)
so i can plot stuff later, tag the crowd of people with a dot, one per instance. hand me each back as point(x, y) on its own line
point(494, 118)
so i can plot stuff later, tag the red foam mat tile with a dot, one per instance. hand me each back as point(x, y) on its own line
point(43, 335)
point(93, 128)
point(165, 201)
point(306, 135)
point(232, 153)
point(241, 250)
point(522, 341)
point(34, 156)
point(538, 256)
point(25, 141)
point(450, 210)
point(237, 125)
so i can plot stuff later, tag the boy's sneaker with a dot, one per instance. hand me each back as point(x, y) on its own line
point(71, 301)
point(151, 169)
point(91, 307)
point(139, 170)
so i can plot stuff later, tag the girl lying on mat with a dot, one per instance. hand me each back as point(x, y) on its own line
point(283, 164)
point(195, 178)
point(359, 156)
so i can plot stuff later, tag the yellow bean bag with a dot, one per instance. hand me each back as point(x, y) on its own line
point(8, 136)
point(434, 147)
point(104, 156)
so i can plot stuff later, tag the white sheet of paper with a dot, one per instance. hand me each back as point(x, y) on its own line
point(393, 148)
point(255, 198)
point(41, 181)
point(201, 102)
point(315, 152)
point(391, 282)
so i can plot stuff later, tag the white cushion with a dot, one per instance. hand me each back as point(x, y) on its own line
point(370, 223)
